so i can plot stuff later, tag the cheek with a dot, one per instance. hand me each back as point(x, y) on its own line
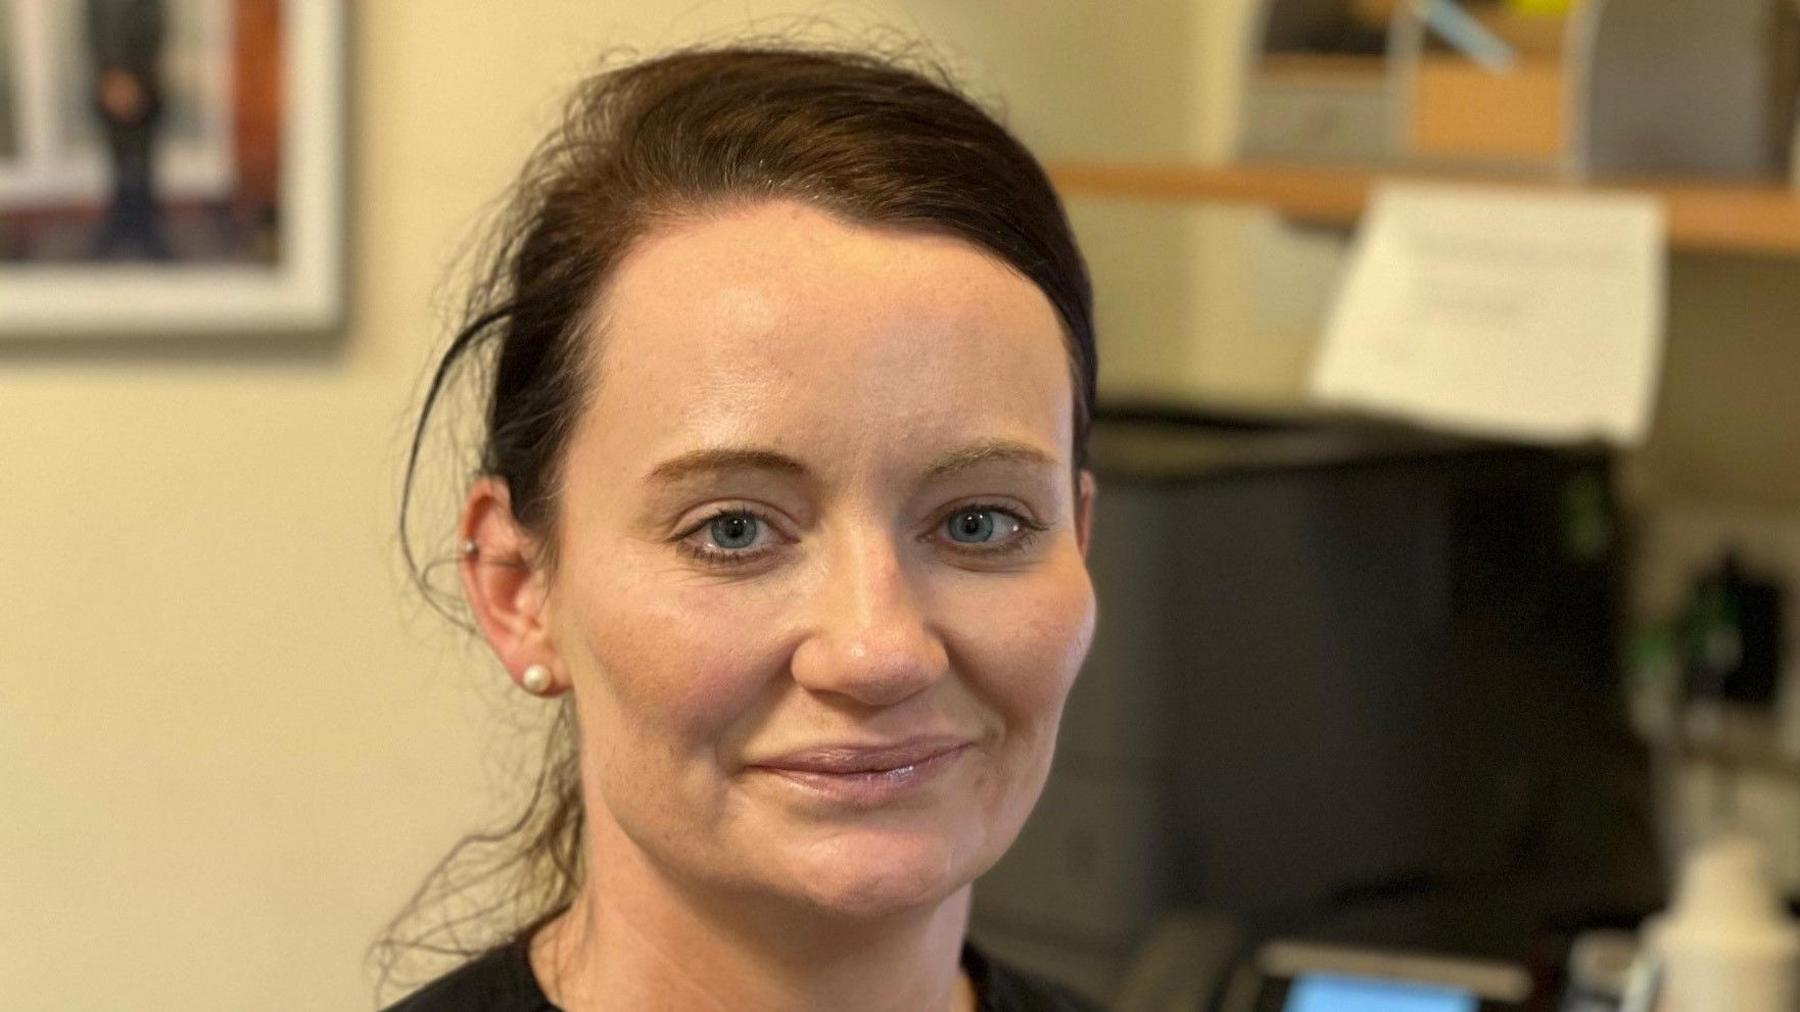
point(678, 668)
point(1023, 653)
point(1024, 647)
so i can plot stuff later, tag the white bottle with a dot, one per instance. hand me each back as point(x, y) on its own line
point(1727, 945)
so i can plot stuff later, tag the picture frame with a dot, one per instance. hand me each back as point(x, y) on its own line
point(228, 219)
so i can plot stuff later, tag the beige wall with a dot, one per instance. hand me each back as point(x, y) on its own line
point(230, 742)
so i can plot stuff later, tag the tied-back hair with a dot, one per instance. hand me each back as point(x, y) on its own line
point(876, 140)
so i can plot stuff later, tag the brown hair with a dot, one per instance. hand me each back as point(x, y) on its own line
point(674, 136)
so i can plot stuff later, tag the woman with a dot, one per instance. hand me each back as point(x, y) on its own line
point(783, 501)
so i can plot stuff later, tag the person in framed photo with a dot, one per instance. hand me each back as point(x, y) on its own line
point(125, 43)
point(787, 360)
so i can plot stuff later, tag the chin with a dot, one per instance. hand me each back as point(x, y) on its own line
point(872, 875)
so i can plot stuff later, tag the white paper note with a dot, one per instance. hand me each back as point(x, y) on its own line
point(1520, 314)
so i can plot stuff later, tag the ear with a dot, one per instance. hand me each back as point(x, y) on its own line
point(506, 588)
point(1085, 490)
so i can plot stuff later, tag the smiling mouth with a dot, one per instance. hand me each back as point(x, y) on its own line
point(867, 778)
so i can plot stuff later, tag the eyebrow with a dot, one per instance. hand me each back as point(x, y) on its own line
point(1000, 451)
point(724, 458)
point(694, 462)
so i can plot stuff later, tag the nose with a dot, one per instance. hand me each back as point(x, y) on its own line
point(869, 636)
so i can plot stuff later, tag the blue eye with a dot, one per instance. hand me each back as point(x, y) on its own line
point(980, 526)
point(730, 537)
point(734, 531)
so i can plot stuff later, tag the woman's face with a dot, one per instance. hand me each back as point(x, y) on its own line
point(821, 590)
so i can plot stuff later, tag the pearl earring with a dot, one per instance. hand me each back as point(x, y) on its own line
point(535, 679)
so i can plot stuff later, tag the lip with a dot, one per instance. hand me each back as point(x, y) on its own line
point(867, 776)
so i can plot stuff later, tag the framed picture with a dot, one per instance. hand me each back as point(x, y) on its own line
point(171, 167)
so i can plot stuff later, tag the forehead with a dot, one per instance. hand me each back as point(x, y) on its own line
point(783, 325)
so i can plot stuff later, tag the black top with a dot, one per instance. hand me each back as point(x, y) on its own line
point(502, 981)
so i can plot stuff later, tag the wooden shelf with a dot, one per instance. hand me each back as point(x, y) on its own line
point(1727, 217)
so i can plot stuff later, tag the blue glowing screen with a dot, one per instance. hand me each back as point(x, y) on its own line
point(1318, 992)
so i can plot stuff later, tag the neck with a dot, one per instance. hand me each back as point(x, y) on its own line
point(635, 938)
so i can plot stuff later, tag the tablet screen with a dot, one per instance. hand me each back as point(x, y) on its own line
point(1321, 992)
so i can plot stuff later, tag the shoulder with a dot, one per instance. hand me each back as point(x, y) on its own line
point(500, 981)
point(1004, 989)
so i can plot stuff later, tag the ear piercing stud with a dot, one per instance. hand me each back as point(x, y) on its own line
point(535, 679)
point(470, 548)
